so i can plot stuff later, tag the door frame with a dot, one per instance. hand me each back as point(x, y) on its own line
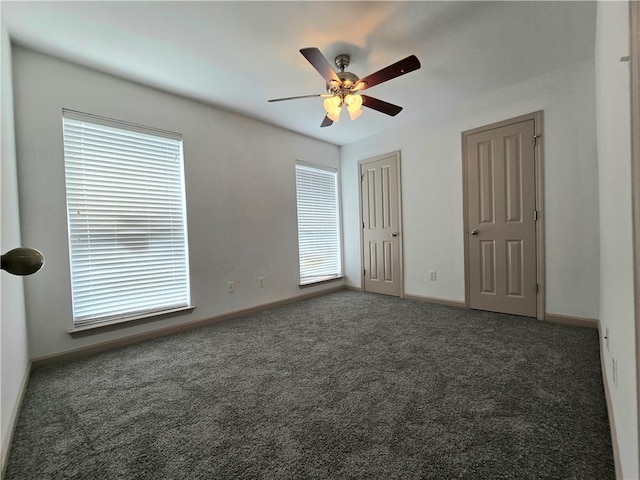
point(395, 154)
point(537, 118)
point(634, 53)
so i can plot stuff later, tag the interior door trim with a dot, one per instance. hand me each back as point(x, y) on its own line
point(634, 52)
point(401, 241)
point(537, 118)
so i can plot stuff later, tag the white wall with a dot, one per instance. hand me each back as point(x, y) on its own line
point(616, 253)
point(240, 187)
point(13, 330)
point(432, 190)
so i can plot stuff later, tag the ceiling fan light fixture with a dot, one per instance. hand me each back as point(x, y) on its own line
point(344, 87)
point(335, 115)
point(355, 114)
point(354, 105)
point(333, 107)
point(354, 102)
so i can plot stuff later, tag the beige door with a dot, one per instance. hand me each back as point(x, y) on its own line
point(501, 219)
point(380, 200)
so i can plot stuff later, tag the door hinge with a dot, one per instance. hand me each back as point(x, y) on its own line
point(535, 139)
point(537, 288)
point(362, 177)
point(365, 273)
point(535, 215)
point(362, 224)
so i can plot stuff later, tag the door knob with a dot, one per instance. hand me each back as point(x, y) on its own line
point(22, 261)
point(394, 234)
point(475, 232)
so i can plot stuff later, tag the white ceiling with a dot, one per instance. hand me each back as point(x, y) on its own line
point(237, 55)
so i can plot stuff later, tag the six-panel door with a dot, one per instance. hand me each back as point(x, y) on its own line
point(381, 226)
point(501, 219)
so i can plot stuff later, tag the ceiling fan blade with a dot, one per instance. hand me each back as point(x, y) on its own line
point(320, 63)
point(327, 122)
point(300, 96)
point(405, 65)
point(380, 105)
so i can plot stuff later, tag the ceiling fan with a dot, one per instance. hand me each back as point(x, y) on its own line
point(343, 87)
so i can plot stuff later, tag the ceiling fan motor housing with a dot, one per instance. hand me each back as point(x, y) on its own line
point(347, 82)
point(347, 79)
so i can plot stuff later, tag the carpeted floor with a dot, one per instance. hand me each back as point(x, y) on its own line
point(344, 386)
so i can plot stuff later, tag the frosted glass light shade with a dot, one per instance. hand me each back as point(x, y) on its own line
point(335, 115)
point(354, 102)
point(355, 114)
point(332, 104)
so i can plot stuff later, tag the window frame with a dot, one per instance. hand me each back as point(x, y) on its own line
point(96, 318)
point(319, 279)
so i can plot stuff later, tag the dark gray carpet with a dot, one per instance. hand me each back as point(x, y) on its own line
point(348, 385)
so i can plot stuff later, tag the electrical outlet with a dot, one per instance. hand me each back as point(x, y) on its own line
point(231, 287)
point(614, 368)
point(260, 282)
point(432, 275)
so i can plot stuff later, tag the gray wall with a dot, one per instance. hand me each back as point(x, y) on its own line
point(432, 189)
point(240, 188)
point(616, 252)
point(13, 329)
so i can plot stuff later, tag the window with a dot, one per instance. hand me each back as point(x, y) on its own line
point(318, 223)
point(126, 218)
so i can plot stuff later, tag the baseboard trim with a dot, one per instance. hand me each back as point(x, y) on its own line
point(436, 300)
point(612, 421)
point(351, 288)
point(13, 420)
point(162, 332)
point(568, 320)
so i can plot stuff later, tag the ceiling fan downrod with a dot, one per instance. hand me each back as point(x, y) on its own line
point(342, 61)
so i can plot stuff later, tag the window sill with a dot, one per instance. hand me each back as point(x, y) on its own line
point(320, 281)
point(133, 319)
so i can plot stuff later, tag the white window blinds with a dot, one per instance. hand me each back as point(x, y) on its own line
point(127, 219)
point(318, 223)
